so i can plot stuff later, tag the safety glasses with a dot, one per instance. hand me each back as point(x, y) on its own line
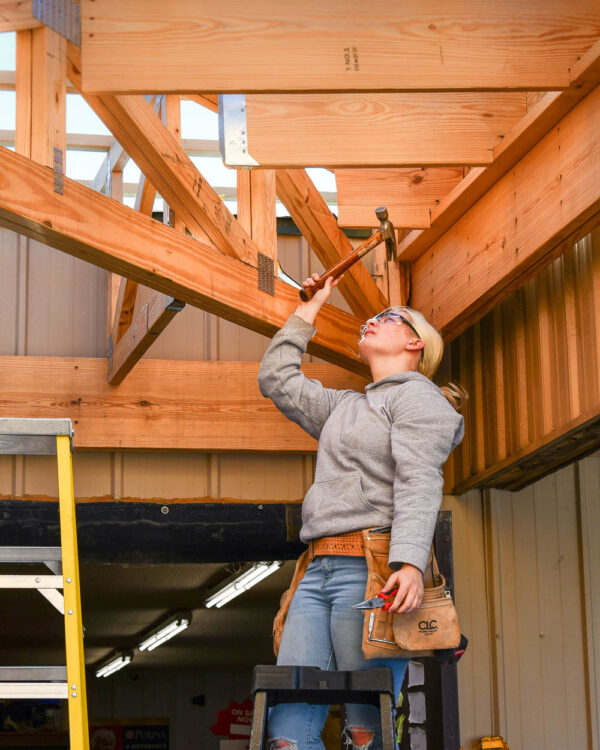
point(389, 316)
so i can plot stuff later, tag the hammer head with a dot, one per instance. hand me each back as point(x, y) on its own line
point(387, 230)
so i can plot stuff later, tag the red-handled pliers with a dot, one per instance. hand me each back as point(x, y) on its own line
point(384, 599)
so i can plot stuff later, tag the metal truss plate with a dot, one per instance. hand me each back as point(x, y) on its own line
point(59, 171)
point(233, 132)
point(266, 274)
point(64, 16)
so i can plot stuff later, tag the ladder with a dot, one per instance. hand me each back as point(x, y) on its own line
point(50, 437)
point(272, 685)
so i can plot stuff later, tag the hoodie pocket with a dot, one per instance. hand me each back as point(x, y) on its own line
point(335, 505)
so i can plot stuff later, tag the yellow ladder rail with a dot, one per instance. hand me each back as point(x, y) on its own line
point(51, 437)
point(77, 700)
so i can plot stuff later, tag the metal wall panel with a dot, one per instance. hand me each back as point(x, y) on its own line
point(537, 610)
point(532, 370)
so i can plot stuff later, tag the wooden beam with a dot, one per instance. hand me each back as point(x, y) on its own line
point(16, 15)
point(166, 165)
point(409, 194)
point(161, 405)
point(114, 161)
point(210, 101)
point(256, 199)
point(549, 199)
point(22, 136)
point(121, 240)
point(48, 95)
point(320, 228)
point(371, 130)
point(152, 319)
point(93, 142)
point(540, 119)
point(170, 113)
point(340, 46)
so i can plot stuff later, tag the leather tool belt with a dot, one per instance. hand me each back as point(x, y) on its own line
point(351, 544)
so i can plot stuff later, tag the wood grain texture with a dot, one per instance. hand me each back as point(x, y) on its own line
point(151, 320)
point(15, 15)
point(550, 199)
point(342, 45)
point(164, 162)
point(378, 130)
point(161, 405)
point(23, 93)
point(48, 95)
point(97, 229)
point(409, 194)
point(531, 368)
point(318, 225)
point(256, 199)
point(540, 119)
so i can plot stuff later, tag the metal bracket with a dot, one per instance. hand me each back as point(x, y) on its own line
point(58, 170)
point(266, 274)
point(64, 16)
point(175, 305)
point(233, 132)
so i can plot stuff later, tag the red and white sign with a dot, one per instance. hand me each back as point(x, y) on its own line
point(235, 721)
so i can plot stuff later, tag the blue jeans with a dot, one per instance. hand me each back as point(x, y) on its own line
point(322, 630)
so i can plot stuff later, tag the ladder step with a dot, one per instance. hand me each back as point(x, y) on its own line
point(30, 554)
point(33, 674)
point(29, 690)
point(31, 582)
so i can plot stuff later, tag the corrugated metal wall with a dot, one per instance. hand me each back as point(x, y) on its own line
point(532, 369)
point(528, 594)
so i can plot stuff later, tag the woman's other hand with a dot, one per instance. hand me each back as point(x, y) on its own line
point(308, 310)
point(409, 581)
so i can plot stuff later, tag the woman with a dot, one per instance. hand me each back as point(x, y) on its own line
point(378, 464)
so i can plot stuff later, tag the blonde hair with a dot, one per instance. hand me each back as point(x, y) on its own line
point(432, 354)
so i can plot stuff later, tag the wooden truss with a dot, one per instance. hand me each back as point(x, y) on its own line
point(479, 137)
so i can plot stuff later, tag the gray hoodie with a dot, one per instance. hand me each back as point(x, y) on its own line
point(380, 454)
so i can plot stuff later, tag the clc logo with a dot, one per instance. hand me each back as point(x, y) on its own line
point(428, 626)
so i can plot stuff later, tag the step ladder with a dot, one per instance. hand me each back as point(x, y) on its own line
point(50, 437)
point(273, 685)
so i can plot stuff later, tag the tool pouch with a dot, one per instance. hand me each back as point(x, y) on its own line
point(286, 600)
point(432, 627)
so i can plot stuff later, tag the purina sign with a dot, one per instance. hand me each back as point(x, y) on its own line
point(235, 721)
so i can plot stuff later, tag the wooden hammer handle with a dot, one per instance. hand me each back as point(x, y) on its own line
point(307, 293)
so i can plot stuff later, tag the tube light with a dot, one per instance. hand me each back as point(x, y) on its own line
point(121, 660)
point(165, 632)
point(242, 583)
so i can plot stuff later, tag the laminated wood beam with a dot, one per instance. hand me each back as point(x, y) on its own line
point(98, 230)
point(540, 119)
point(164, 162)
point(320, 228)
point(409, 194)
point(370, 130)
point(149, 45)
point(16, 15)
point(549, 199)
point(162, 404)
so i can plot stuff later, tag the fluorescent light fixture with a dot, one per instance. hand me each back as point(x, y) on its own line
point(175, 624)
point(120, 660)
point(242, 583)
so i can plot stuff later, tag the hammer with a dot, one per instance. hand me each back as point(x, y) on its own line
point(385, 233)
